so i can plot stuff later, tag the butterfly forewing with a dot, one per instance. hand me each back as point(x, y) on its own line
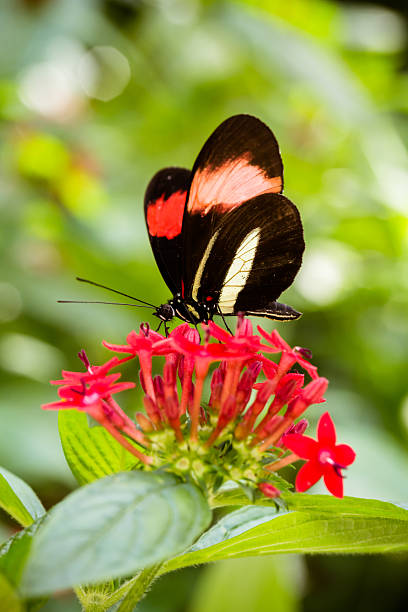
point(164, 205)
point(239, 161)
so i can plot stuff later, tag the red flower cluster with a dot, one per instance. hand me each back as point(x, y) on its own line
point(246, 429)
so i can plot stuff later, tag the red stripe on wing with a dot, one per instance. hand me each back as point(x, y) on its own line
point(229, 185)
point(165, 216)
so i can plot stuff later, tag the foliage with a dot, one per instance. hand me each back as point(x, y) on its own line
point(135, 520)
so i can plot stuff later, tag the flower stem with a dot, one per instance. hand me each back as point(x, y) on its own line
point(281, 463)
point(274, 437)
point(122, 440)
point(195, 411)
point(140, 586)
point(98, 598)
point(186, 386)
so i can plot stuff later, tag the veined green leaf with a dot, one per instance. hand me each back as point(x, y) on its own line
point(18, 499)
point(347, 506)
point(114, 527)
point(321, 525)
point(91, 452)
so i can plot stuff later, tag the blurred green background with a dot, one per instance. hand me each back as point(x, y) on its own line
point(95, 96)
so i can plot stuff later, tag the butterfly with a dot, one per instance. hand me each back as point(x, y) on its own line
point(225, 239)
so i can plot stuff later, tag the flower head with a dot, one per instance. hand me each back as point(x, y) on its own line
point(324, 457)
point(289, 355)
point(243, 432)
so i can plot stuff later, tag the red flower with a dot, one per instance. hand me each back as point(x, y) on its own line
point(144, 345)
point(238, 434)
point(92, 392)
point(144, 341)
point(324, 457)
point(203, 356)
point(93, 372)
point(289, 355)
point(311, 394)
point(89, 398)
point(242, 341)
point(207, 353)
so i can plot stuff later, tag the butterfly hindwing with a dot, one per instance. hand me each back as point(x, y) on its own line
point(254, 254)
point(164, 206)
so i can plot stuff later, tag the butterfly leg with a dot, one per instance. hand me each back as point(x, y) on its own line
point(223, 318)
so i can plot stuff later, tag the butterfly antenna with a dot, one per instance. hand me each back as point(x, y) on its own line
point(99, 302)
point(89, 282)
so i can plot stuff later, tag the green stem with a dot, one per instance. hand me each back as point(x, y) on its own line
point(139, 588)
point(100, 598)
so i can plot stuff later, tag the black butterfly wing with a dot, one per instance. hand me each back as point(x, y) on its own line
point(239, 161)
point(164, 205)
point(253, 255)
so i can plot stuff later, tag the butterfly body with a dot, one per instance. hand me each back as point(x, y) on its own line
point(189, 311)
point(224, 237)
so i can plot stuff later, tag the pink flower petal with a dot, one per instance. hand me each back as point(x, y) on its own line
point(303, 446)
point(326, 432)
point(333, 481)
point(118, 348)
point(56, 405)
point(275, 339)
point(306, 365)
point(344, 454)
point(308, 475)
point(218, 332)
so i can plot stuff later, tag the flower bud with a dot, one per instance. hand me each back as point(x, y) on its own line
point(144, 422)
point(311, 394)
point(268, 489)
point(172, 408)
point(152, 410)
point(303, 352)
point(169, 375)
point(158, 386)
point(227, 412)
point(297, 428)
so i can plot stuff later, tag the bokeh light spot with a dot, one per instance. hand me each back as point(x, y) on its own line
point(10, 302)
point(29, 357)
point(326, 272)
point(103, 73)
point(373, 28)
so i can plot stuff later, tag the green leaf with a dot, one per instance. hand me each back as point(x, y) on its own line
point(14, 553)
point(114, 527)
point(347, 506)
point(321, 525)
point(10, 600)
point(18, 499)
point(91, 452)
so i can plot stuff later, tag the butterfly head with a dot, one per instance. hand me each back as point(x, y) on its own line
point(165, 312)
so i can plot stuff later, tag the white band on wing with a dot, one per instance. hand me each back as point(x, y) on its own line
point(239, 271)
